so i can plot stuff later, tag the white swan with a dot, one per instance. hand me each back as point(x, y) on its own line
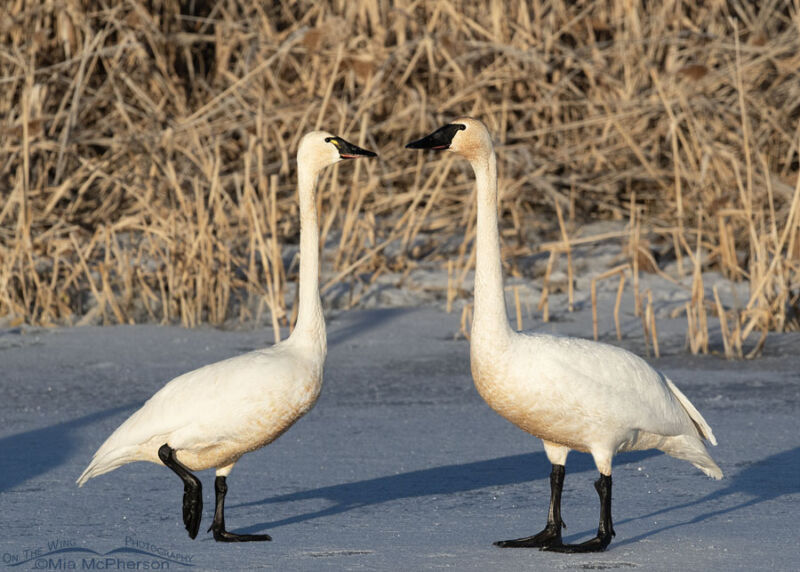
point(211, 416)
point(569, 392)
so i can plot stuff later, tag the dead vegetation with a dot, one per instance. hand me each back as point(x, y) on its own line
point(146, 148)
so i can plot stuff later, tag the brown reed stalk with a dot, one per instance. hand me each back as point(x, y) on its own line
point(617, 270)
point(617, 303)
point(544, 299)
point(651, 323)
point(565, 237)
point(451, 291)
point(517, 308)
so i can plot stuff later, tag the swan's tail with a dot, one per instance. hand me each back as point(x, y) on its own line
point(689, 447)
point(105, 462)
point(702, 427)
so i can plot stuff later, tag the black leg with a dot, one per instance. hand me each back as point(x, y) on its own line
point(604, 531)
point(552, 531)
point(218, 526)
point(192, 490)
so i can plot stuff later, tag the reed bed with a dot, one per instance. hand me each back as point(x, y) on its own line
point(146, 149)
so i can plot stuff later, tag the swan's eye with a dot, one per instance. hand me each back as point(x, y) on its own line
point(332, 140)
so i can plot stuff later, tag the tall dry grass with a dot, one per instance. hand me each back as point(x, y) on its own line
point(146, 147)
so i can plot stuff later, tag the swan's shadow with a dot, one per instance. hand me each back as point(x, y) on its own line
point(24, 456)
point(444, 480)
point(764, 480)
point(343, 329)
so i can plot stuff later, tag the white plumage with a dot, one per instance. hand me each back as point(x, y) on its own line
point(595, 398)
point(213, 415)
point(571, 393)
point(210, 417)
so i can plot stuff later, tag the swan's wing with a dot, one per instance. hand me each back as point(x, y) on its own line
point(210, 393)
point(605, 380)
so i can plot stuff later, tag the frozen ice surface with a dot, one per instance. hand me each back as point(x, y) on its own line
point(400, 466)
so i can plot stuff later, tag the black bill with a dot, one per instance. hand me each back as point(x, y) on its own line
point(439, 139)
point(347, 150)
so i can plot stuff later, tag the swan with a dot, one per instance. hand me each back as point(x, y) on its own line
point(569, 392)
point(212, 416)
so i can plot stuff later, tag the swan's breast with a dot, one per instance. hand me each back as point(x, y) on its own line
point(524, 397)
point(281, 403)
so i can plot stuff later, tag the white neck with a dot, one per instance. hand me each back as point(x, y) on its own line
point(310, 326)
point(490, 322)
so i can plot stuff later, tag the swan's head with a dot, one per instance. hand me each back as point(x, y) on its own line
point(466, 136)
point(318, 149)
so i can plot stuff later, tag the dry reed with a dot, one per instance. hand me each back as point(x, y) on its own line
point(146, 150)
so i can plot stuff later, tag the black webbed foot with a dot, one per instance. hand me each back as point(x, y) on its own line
point(597, 544)
point(222, 535)
point(551, 535)
point(547, 537)
point(192, 508)
point(218, 526)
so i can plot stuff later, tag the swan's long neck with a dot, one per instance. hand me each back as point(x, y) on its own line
point(310, 326)
point(490, 322)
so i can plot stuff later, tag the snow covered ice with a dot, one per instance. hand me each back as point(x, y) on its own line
point(400, 466)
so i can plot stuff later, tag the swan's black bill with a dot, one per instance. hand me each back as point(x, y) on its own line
point(439, 139)
point(347, 150)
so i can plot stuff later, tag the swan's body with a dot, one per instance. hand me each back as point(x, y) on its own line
point(571, 393)
point(210, 417)
point(215, 414)
point(591, 397)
